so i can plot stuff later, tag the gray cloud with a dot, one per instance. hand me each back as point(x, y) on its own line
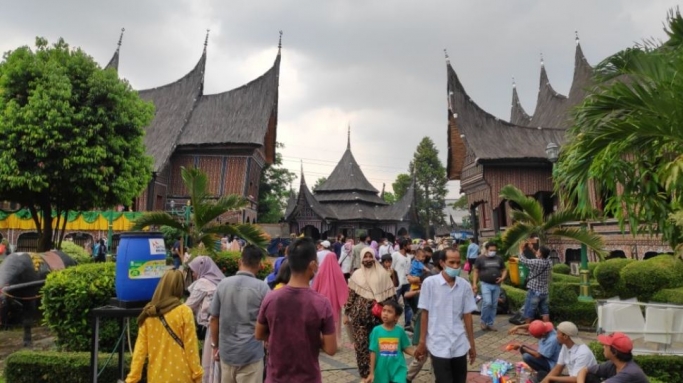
point(376, 64)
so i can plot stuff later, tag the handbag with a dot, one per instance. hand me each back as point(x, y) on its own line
point(467, 267)
point(377, 309)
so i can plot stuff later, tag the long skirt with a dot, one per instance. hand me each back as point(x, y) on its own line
point(212, 369)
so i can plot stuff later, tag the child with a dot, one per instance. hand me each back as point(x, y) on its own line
point(386, 262)
point(417, 267)
point(388, 342)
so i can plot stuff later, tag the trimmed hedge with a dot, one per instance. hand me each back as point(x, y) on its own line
point(68, 297)
point(561, 268)
point(228, 262)
point(565, 305)
point(77, 253)
point(516, 297)
point(608, 275)
point(59, 367)
point(562, 278)
point(674, 296)
point(644, 278)
point(666, 368)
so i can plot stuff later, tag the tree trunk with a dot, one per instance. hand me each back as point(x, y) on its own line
point(36, 219)
point(63, 230)
point(45, 240)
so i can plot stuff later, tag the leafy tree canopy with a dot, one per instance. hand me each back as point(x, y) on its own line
point(319, 182)
point(389, 197)
point(627, 139)
point(274, 190)
point(401, 185)
point(461, 203)
point(430, 184)
point(72, 134)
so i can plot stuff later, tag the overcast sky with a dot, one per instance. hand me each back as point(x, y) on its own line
point(378, 65)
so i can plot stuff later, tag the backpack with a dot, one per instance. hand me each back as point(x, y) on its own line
point(102, 250)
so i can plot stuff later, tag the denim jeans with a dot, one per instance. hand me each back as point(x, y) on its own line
point(536, 364)
point(176, 263)
point(408, 311)
point(489, 296)
point(535, 301)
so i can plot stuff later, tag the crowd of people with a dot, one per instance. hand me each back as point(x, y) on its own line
point(274, 330)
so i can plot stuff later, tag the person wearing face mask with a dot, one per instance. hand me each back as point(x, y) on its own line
point(446, 328)
point(296, 319)
point(490, 269)
point(368, 285)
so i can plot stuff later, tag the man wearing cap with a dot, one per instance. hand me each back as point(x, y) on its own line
point(619, 368)
point(545, 358)
point(574, 355)
point(323, 251)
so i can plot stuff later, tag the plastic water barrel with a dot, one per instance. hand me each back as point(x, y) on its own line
point(140, 263)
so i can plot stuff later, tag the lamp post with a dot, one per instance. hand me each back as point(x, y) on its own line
point(110, 232)
point(553, 153)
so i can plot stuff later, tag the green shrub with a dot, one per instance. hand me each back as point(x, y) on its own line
point(69, 296)
point(665, 368)
point(57, 367)
point(228, 262)
point(562, 294)
point(77, 253)
point(644, 278)
point(583, 314)
point(562, 268)
point(515, 296)
point(562, 278)
point(591, 268)
point(674, 296)
point(608, 275)
point(462, 249)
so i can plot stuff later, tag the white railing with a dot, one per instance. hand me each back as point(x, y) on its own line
point(655, 328)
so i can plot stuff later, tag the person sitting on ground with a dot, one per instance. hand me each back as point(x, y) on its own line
point(388, 342)
point(417, 268)
point(574, 355)
point(545, 358)
point(619, 368)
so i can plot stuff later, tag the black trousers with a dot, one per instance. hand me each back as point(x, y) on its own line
point(453, 370)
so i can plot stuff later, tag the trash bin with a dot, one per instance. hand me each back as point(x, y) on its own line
point(518, 272)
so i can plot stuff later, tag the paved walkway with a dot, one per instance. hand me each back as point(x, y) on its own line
point(341, 368)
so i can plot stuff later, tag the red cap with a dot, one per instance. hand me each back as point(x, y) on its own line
point(538, 328)
point(620, 341)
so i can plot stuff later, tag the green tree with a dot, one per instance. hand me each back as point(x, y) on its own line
point(627, 139)
point(72, 135)
point(274, 190)
point(401, 185)
point(319, 183)
point(460, 203)
point(430, 184)
point(530, 220)
point(202, 227)
point(389, 197)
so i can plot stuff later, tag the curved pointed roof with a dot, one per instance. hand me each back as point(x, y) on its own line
point(174, 104)
point(480, 129)
point(306, 198)
point(114, 61)
point(347, 177)
point(518, 115)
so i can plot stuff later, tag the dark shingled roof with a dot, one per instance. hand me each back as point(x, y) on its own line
point(237, 116)
point(174, 104)
point(349, 197)
point(291, 203)
point(305, 197)
point(518, 115)
point(491, 138)
point(114, 62)
point(347, 176)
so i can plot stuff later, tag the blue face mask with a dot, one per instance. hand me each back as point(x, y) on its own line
point(452, 272)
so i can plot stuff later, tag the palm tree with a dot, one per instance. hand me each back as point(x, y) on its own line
point(202, 227)
point(627, 139)
point(529, 220)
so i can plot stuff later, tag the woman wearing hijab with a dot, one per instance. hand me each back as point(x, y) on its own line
point(346, 258)
point(206, 275)
point(167, 337)
point(367, 285)
point(330, 282)
point(375, 248)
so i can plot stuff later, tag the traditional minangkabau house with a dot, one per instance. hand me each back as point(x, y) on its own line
point(486, 153)
point(230, 136)
point(346, 203)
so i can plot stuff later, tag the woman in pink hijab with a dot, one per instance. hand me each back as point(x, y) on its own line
point(375, 248)
point(330, 282)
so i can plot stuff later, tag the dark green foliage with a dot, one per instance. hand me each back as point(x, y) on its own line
point(318, 183)
point(562, 268)
point(72, 134)
point(401, 185)
point(69, 296)
point(228, 262)
point(583, 314)
point(608, 275)
point(562, 294)
point(59, 367)
point(565, 278)
point(515, 296)
point(644, 278)
point(462, 249)
point(591, 267)
point(274, 190)
point(666, 368)
point(674, 296)
point(78, 253)
point(430, 185)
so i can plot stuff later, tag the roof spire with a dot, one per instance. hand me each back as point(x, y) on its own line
point(348, 137)
point(514, 84)
point(448, 59)
point(206, 40)
point(576, 33)
point(120, 38)
point(542, 63)
point(279, 43)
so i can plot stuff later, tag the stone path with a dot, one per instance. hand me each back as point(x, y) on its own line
point(341, 368)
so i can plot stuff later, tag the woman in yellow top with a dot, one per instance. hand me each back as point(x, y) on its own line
point(173, 352)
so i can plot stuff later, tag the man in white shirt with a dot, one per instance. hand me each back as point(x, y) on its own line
point(323, 251)
point(574, 355)
point(385, 248)
point(400, 262)
point(446, 327)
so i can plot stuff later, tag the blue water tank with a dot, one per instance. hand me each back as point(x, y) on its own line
point(140, 263)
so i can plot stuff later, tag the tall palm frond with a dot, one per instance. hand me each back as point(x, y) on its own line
point(158, 218)
point(210, 211)
point(516, 234)
point(591, 240)
point(528, 205)
point(249, 233)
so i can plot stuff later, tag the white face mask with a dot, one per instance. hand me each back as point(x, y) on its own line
point(492, 253)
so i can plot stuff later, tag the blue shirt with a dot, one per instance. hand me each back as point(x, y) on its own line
point(549, 348)
point(472, 251)
point(416, 268)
